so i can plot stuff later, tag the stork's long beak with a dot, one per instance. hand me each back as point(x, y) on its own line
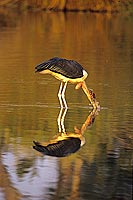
point(91, 96)
point(78, 85)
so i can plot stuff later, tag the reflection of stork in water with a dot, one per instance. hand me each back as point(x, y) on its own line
point(67, 71)
point(65, 143)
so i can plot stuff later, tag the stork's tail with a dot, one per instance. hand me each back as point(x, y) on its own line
point(39, 147)
point(46, 65)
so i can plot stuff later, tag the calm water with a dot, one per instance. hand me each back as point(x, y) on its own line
point(29, 107)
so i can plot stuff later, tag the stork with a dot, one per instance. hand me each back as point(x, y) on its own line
point(67, 71)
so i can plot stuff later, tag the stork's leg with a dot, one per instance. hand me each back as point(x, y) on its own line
point(60, 95)
point(63, 95)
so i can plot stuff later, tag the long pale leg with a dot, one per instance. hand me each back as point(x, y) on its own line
point(62, 120)
point(60, 95)
point(59, 120)
point(63, 95)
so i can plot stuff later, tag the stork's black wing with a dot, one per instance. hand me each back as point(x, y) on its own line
point(67, 68)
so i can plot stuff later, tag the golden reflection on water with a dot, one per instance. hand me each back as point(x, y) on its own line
point(29, 105)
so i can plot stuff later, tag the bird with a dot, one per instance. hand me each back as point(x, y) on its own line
point(67, 71)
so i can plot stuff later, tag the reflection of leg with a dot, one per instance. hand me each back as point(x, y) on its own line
point(59, 120)
point(60, 94)
point(63, 95)
point(62, 120)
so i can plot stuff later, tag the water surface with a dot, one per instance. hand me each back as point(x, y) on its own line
point(29, 106)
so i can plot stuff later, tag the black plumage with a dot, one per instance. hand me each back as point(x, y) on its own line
point(68, 68)
point(61, 148)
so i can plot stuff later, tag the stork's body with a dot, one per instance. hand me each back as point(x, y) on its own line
point(65, 71)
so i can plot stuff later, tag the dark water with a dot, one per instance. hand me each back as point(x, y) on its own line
point(29, 107)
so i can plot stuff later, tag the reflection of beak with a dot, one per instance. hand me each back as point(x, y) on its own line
point(76, 130)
